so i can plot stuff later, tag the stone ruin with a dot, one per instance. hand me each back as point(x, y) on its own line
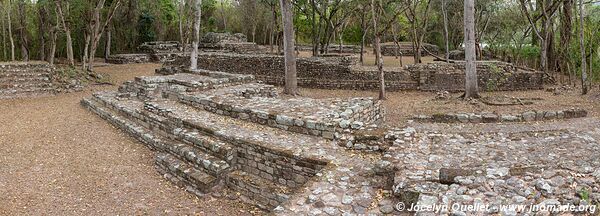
point(344, 72)
point(333, 48)
point(301, 156)
point(226, 42)
point(213, 129)
point(155, 51)
point(165, 51)
point(18, 79)
point(406, 49)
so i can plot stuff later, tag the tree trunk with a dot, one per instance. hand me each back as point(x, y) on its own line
point(98, 30)
point(107, 46)
point(364, 28)
point(181, 34)
point(565, 33)
point(10, 35)
point(471, 90)
point(584, 85)
point(23, 31)
point(195, 43)
point(41, 33)
point(378, 58)
point(53, 35)
point(315, 36)
point(223, 16)
point(84, 59)
point(445, 15)
point(67, 30)
point(4, 52)
point(287, 18)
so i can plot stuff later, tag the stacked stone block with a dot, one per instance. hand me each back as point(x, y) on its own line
point(342, 72)
point(25, 79)
point(200, 146)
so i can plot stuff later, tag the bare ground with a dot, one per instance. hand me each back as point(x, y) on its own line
point(59, 159)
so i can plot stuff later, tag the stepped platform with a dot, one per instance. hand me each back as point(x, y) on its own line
point(22, 79)
point(195, 122)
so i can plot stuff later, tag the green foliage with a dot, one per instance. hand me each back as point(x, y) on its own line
point(145, 31)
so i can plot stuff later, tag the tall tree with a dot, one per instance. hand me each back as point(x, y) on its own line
point(67, 29)
point(287, 18)
point(471, 89)
point(445, 17)
point(96, 30)
point(548, 10)
point(196, 42)
point(23, 34)
point(377, 44)
point(418, 23)
point(584, 88)
point(10, 35)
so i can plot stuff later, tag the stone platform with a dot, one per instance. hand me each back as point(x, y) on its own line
point(212, 129)
point(343, 72)
point(20, 79)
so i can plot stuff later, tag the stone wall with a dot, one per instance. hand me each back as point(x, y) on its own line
point(19, 79)
point(492, 76)
point(343, 72)
point(406, 49)
point(128, 58)
point(156, 47)
point(529, 116)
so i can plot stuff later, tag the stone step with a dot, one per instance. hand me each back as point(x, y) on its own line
point(24, 79)
point(207, 162)
point(184, 175)
point(189, 153)
point(257, 103)
point(25, 91)
point(25, 85)
point(265, 194)
point(222, 150)
point(24, 72)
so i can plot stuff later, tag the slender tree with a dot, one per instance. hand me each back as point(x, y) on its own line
point(97, 30)
point(445, 17)
point(287, 18)
point(67, 29)
point(10, 35)
point(584, 85)
point(378, 58)
point(196, 42)
point(23, 34)
point(471, 89)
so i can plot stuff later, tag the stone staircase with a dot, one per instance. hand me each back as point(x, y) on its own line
point(201, 149)
point(23, 79)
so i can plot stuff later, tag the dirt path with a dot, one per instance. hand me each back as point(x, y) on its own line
point(56, 158)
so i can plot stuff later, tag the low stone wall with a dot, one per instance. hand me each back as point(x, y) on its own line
point(128, 58)
point(495, 118)
point(156, 47)
point(492, 76)
point(343, 72)
point(333, 48)
point(406, 49)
